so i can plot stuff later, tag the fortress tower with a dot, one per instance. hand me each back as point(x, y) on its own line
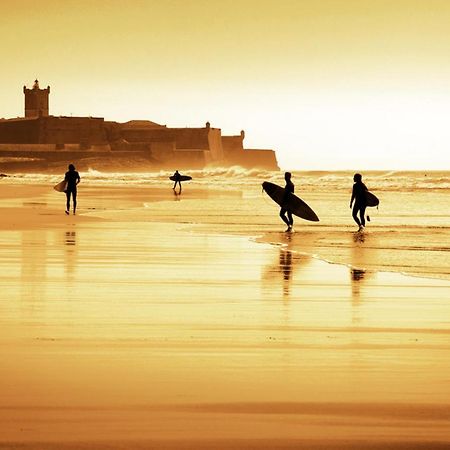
point(36, 100)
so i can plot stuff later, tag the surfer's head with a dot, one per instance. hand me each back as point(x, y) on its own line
point(71, 167)
point(287, 176)
point(357, 177)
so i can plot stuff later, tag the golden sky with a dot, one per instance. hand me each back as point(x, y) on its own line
point(329, 84)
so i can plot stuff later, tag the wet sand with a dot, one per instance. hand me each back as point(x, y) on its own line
point(125, 332)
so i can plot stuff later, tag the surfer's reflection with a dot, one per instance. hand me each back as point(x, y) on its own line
point(283, 266)
point(70, 238)
point(70, 242)
point(357, 278)
point(359, 236)
point(286, 269)
point(177, 195)
point(357, 274)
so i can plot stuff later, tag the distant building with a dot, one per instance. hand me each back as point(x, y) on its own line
point(54, 138)
point(36, 100)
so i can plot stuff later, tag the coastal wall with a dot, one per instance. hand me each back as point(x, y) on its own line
point(215, 144)
point(32, 148)
point(233, 147)
point(54, 130)
point(189, 159)
point(85, 131)
point(162, 151)
point(235, 154)
point(144, 140)
point(259, 158)
point(19, 131)
point(161, 146)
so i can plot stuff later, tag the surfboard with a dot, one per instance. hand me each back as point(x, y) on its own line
point(294, 204)
point(371, 199)
point(181, 178)
point(61, 186)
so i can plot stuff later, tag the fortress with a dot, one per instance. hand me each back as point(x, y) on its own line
point(39, 139)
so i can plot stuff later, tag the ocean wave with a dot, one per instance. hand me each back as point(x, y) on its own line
point(236, 176)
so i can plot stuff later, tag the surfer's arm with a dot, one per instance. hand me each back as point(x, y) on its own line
point(353, 196)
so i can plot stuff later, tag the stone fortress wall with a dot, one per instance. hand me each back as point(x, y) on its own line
point(163, 146)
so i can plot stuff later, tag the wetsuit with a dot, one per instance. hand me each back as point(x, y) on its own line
point(359, 196)
point(73, 178)
point(288, 189)
point(177, 177)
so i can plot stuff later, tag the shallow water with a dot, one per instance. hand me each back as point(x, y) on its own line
point(409, 232)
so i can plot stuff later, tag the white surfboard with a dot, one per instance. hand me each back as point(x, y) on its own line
point(61, 187)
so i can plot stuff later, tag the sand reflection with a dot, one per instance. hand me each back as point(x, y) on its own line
point(71, 251)
point(285, 270)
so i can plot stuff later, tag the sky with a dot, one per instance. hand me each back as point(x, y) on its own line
point(328, 84)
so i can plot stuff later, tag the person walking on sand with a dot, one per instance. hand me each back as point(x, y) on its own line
point(359, 197)
point(177, 177)
point(73, 178)
point(288, 189)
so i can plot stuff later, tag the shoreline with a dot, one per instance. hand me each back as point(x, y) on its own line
point(436, 277)
point(335, 244)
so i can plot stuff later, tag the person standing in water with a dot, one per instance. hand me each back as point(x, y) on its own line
point(177, 178)
point(288, 189)
point(73, 178)
point(359, 197)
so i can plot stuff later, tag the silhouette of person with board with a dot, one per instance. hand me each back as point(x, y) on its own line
point(177, 177)
point(359, 197)
point(73, 178)
point(288, 189)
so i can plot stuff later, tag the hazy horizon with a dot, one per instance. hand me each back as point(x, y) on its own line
point(329, 85)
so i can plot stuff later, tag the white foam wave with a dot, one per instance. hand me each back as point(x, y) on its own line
point(235, 176)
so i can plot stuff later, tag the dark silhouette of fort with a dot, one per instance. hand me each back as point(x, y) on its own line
point(43, 138)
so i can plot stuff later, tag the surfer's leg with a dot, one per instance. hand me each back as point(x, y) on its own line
point(362, 211)
point(283, 217)
point(67, 201)
point(355, 214)
point(74, 197)
point(291, 219)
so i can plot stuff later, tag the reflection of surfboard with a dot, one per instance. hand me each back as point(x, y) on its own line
point(371, 199)
point(61, 187)
point(181, 178)
point(294, 204)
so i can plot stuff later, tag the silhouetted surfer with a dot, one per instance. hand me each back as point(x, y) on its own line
point(288, 189)
point(177, 178)
point(359, 197)
point(73, 178)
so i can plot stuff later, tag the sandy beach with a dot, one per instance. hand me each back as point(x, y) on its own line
point(151, 320)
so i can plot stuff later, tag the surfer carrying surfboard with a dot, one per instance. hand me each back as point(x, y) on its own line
point(288, 189)
point(177, 177)
point(73, 178)
point(359, 197)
